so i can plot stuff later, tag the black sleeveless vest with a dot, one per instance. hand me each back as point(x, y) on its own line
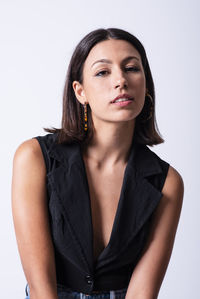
point(71, 221)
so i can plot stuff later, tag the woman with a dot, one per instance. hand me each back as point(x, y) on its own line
point(95, 210)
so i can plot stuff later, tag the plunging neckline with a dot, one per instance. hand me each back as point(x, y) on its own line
point(102, 252)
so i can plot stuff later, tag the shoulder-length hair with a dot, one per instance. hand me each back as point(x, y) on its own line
point(72, 124)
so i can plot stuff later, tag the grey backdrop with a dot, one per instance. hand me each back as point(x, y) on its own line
point(37, 40)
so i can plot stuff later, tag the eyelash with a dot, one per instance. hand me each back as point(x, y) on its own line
point(128, 69)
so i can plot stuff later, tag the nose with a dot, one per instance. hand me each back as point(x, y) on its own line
point(120, 80)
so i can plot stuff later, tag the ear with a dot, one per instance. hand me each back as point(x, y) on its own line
point(79, 91)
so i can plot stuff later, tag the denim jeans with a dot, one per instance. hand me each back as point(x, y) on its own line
point(67, 294)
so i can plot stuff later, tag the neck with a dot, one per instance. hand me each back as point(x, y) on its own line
point(111, 143)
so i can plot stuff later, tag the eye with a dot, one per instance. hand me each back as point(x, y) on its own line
point(132, 69)
point(101, 73)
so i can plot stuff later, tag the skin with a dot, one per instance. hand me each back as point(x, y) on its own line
point(108, 152)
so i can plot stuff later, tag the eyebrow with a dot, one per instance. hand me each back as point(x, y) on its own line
point(104, 60)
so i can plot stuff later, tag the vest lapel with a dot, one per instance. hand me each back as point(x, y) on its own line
point(137, 202)
point(71, 186)
point(138, 199)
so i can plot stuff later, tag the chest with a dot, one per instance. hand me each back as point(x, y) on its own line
point(104, 189)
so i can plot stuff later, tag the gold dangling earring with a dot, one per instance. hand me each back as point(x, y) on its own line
point(85, 117)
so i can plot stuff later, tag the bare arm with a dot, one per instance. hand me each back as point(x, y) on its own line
point(148, 275)
point(30, 216)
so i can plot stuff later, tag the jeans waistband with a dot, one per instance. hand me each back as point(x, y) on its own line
point(68, 294)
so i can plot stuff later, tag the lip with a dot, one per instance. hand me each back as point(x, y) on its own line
point(124, 95)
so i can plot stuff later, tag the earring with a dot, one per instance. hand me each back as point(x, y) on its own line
point(150, 108)
point(85, 117)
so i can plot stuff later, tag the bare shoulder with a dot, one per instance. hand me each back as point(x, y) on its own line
point(28, 172)
point(27, 148)
point(28, 154)
point(174, 185)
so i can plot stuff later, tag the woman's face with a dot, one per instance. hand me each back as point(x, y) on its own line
point(112, 68)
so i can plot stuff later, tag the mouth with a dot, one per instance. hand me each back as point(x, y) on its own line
point(122, 98)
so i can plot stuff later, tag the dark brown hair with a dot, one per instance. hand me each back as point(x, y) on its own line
point(72, 125)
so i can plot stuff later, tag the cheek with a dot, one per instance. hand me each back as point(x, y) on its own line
point(140, 91)
point(97, 90)
point(140, 87)
point(140, 80)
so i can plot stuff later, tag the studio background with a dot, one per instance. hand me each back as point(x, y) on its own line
point(37, 41)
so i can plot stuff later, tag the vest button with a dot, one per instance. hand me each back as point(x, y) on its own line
point(87, 276)
point(89, 281)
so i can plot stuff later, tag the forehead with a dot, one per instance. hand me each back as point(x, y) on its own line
point(113, 50)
